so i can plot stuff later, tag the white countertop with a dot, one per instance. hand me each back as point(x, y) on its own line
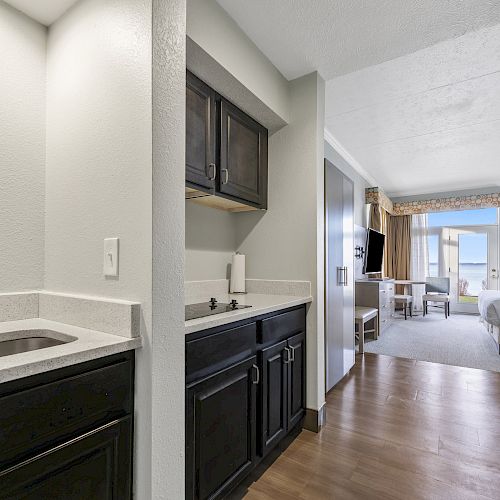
point(261, 304)
point(89, 344)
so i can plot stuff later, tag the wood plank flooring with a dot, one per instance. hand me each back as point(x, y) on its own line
point(397, 429)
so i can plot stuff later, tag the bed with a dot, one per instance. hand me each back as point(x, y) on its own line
point(489, 309)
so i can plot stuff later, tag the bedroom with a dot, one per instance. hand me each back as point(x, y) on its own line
point(456, 250)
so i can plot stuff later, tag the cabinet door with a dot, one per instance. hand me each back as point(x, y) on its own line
point(96, 465)
point(296, 379)
point(243, 157)
point(273, 397)
point(220, 430)
point(200, 133)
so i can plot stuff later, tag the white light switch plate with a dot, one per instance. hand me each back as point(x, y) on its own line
point(110, 267)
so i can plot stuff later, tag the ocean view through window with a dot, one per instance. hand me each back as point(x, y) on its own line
point(459, 233)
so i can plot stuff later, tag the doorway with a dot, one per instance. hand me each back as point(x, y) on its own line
point(468, 255)
point(473, 265)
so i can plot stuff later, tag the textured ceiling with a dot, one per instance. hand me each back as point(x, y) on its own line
point(426, 122)
point(43, 11)
point(337, 37)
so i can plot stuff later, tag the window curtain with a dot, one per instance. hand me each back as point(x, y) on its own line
point(375, 218)
point(398, 247)
point(419, 257)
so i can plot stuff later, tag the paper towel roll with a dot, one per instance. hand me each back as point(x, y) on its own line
point(237, 274)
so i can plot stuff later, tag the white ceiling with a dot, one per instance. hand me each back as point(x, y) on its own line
point(337, 37)
point(43, 11)
point(426, 122)
point(413, 97)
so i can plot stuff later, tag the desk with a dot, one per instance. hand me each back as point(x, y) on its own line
point(408, 288)
point(408, 285)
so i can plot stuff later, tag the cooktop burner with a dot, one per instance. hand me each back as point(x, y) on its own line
point(211, 307)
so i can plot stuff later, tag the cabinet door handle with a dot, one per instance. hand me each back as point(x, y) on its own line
point(225, 179)
point(292, 349)
point(288, 357)
point(342, 276)
point(211, 171)
point(256, 381)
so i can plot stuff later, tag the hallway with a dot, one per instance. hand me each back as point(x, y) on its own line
point(397, 429)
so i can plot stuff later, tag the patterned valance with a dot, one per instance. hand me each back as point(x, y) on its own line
point(375, 195)
point(447, 204)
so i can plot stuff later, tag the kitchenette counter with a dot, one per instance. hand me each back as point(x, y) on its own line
point(88, 345)
point(261, 304)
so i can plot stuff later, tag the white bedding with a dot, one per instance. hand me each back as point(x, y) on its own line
point(489, 306)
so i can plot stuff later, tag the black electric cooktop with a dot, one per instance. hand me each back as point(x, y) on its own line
point(211, 307)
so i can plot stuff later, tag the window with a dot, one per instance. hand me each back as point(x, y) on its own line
point(463, 218)
point(433, 242)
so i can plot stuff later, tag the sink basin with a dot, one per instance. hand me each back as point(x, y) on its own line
point(31, 340)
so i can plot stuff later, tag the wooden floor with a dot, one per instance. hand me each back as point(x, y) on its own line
point(397, 428)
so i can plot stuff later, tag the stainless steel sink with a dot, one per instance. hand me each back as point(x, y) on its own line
point(32, 340)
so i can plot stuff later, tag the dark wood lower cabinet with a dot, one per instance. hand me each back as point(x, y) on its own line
point(220, 425)
point(273, 396)
point(67, 434)
point(240, 412)
point(296, 380)
point(96, 465)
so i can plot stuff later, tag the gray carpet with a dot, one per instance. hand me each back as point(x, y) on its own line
point(460, 340)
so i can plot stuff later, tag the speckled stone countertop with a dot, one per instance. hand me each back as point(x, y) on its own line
point(88, 345)
point(261, 304)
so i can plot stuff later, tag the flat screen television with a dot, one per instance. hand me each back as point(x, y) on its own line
point(374, 255)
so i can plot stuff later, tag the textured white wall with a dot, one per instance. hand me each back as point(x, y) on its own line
point(287, 241)
point(216, 32)
point(168, 365)
point(99, 170)
point(22, 151)
point(210, 242)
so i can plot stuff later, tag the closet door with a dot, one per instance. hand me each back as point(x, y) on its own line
point(333, 275)
point(339, 275)
point(348, 264)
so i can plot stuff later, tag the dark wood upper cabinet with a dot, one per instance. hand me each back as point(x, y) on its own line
point(226, 152)
point(243, 156)
point(200, 134)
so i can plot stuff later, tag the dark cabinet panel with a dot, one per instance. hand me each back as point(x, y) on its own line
point(296, 379)
point(273, 396)
point(215, 352)
point(220, 430)
point(95, 465)
point(200, 133)
point(44, 414)
point(243, 156)
point(282, 326)
point(67, 433)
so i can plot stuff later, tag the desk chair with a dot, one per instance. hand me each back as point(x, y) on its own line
point(437, 290)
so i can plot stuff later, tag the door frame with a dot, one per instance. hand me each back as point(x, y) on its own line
point(450, 252)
